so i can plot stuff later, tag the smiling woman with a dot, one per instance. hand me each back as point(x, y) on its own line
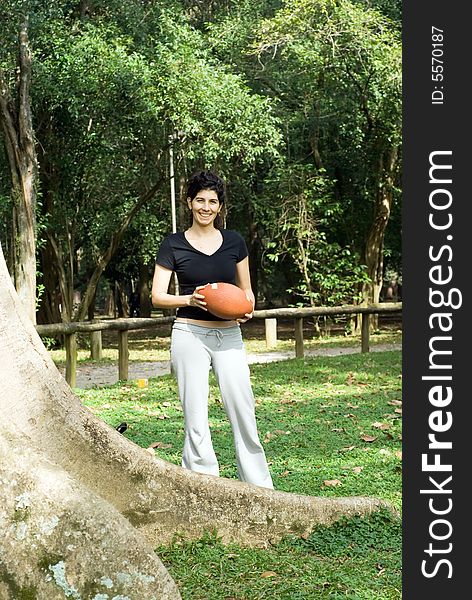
point(207, 253)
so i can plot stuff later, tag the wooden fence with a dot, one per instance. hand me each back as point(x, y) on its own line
point(122, 326)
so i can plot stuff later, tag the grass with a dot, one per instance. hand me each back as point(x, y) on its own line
point(331, 426)
point(356, 559)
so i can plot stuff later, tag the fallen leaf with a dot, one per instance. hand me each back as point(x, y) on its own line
point(166, 404)
point(368, 438)
point(337, 429)
point(395, 402)
point(398, 454)
point(349, 405)
point(378, 425)
point(357, 469)
point(160, 445)
point(332, 482)
point(305, 535)
point(284, 474)
point(269, 574)
point(399, 411)
point(349, 379)
point(349, 415)
point(347, 449)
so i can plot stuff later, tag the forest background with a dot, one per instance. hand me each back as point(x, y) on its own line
point(297, 103)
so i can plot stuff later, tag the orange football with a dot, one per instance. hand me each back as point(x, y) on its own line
point(226, 300)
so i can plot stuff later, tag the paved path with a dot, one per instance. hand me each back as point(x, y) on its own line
point(91, 375)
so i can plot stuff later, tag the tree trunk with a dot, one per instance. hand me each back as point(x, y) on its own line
point(254, 255)
point(91, 308)
point(376, 234)
point(81, 498)
point(144, 292)
point(121, 301)
point(20, 149)
point(108, 254)
point(110, 305)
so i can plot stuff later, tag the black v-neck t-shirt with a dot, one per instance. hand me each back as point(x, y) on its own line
point(195, 268)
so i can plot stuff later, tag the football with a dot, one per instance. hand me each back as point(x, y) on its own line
point(226, 300)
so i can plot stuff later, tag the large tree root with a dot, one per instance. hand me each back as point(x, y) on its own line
point(157, 498)
point(59, 540)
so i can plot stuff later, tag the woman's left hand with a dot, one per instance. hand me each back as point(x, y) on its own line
point(247, 316)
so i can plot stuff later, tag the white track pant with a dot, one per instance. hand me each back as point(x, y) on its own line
point(194, 350)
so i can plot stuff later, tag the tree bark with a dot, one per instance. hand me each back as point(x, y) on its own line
point(85, 494)
point(17, 127)
point(375, 237)
point(254, 254)
point(60, 540)
point(145, 306)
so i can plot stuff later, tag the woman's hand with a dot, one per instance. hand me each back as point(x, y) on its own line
point(247, 316)
point(196, 299)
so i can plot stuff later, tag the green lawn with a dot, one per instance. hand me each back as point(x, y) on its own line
point(331, 426)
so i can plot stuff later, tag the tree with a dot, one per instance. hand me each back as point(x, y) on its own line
point(17, 125)
point(345, 66)
point(111, 83)
point(333, 70)
point(85, 505)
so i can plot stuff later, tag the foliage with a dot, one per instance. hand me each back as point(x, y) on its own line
point(334, 70)
point(344, 65)
point(295, 102)
point(328, 273)
point(110, 86)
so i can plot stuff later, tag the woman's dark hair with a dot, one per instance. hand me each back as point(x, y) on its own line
point(207, 180)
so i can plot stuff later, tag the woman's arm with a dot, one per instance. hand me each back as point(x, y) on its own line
point(243, 281)
point(161, 299)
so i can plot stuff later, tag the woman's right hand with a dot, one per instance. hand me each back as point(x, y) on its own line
point(197, 299)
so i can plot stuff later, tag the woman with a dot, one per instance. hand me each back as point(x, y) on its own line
point(203, 254)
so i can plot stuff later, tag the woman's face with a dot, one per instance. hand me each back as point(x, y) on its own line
point(205, 207)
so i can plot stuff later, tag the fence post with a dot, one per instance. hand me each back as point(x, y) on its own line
point(96, 345)
point(271, 332)
point(123, 355)
point(70, 342)
point(365, 334)
point(299, 348)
